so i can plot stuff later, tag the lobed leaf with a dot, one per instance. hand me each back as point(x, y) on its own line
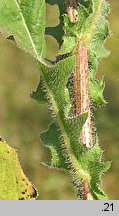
point(97, 52)
point(62, 137)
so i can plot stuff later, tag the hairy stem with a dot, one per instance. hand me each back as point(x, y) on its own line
point(82, 102)
point(86, 192)
point(81, 90)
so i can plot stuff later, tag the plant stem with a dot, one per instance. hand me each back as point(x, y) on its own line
point(86, 192)
point(82, 102)
point(81, 90)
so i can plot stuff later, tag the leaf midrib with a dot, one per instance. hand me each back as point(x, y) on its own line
point(29, 35)
point(90, 33)
point(79, 172)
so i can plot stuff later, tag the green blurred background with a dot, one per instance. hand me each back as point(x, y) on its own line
point(22, 119)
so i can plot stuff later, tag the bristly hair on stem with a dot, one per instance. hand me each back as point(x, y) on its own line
point(81, 90)
point(82, 101)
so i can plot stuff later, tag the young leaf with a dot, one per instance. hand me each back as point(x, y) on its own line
point(13, 183)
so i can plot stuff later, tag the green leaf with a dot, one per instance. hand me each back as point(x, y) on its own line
point(93, 22)
point(62, 137)
point(54, 144)
point(94, 32)
point(92, 163)
point(25, 21)
point(40, 91)
point(83, 163)
point(13, 183)
point(66, 47)
point(97, 89)
point(56, 80)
